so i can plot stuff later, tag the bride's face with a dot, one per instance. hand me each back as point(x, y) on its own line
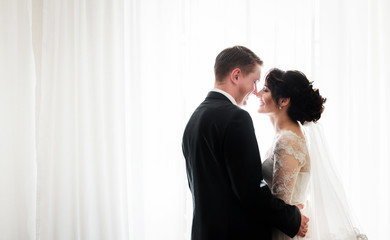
point(267, 104)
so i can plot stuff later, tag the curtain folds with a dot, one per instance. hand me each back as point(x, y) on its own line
point(80, 134)
point(94, 97)
point(17, 129)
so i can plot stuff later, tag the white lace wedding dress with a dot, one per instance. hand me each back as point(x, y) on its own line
point(288, 171)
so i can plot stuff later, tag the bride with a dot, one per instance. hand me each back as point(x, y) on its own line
point(297, 167)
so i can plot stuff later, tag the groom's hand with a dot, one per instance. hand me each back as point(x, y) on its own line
point(304, 223)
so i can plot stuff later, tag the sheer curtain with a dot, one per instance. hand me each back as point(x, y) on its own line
point(154, 56)
point(17, 113)
point(352, 60)
point(81, 165)
point(95, 96)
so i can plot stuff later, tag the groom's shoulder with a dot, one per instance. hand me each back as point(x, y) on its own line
point(241, 114)
point(223, 107)
point(233, 113)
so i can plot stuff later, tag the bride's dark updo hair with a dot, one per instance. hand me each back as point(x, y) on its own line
point(306, 103)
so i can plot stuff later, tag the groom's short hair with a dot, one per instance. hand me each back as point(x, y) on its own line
point(235, 57)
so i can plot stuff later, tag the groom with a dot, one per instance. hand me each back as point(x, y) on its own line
point(230, 198)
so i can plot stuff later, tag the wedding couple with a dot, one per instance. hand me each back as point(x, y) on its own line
point(224, 169)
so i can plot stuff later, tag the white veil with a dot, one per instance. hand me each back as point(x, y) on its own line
point(330, 216)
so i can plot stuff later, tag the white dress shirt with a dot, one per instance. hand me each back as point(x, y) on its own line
point(226, 95)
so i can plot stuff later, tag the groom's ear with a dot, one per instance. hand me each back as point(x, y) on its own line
point(235, 75)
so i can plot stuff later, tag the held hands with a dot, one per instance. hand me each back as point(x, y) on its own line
point(304, 222)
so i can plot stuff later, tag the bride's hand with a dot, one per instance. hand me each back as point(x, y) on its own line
point(304, 222)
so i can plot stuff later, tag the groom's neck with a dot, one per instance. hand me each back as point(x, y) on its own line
point(228, 89)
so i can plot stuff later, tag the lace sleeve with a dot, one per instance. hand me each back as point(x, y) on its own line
point(289, 156)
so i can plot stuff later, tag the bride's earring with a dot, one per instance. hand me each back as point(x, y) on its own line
point(280, 107)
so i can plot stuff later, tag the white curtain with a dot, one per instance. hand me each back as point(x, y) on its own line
point(17, 113)
point(154, 57)
point(95, 96)
point(353, 58)
point(81, 164)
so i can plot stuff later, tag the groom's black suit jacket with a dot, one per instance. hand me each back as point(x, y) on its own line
point(223, 163)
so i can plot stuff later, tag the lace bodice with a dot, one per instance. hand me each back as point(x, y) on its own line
point(287, 168)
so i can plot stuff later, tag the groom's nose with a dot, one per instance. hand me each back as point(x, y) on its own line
point(255, 92)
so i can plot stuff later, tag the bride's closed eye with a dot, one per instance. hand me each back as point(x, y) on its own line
point(265, 89)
